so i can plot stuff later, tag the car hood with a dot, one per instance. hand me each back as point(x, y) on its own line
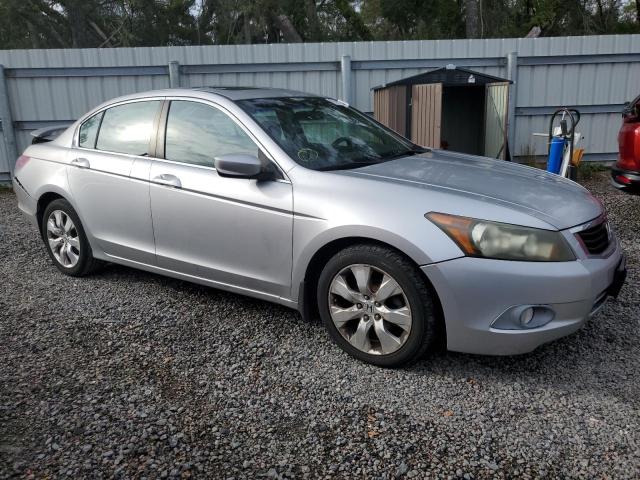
point(548, 197)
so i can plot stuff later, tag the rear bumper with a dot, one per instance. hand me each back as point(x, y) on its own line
point(26, 203)
point(475, 292)
point(625, 179)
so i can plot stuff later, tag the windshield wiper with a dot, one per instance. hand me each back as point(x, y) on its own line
point(406, 153)
point(347, 166)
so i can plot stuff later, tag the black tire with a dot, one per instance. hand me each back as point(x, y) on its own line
point(86, 263)
point(423, 331)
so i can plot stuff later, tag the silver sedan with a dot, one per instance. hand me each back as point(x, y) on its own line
point(304, 201)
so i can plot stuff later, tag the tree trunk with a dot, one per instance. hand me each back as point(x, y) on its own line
point(534, 32)
point(246, 28)
point(289, 32)
point(472, 18)
point(77, 17)
point(528, 10)
point(314, 34)
point(33, 35)
point(638, 11)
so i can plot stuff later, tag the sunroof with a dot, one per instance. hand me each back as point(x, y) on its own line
point(230, 87)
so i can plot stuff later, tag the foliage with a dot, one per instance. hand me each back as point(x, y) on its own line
point(589, 170)
point(122, 23)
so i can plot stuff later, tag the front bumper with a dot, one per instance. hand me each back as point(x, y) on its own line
point(474, 292)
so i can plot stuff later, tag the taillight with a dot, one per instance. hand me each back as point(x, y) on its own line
point(21, 162)
point(623, 179)
point(629, 145)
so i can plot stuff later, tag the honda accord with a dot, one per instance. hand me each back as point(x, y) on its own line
point(304, 201)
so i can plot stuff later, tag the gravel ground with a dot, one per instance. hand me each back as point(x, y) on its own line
point(129, 374)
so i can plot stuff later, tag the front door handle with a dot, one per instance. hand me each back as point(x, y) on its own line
point(80, 163)
point(168, 180)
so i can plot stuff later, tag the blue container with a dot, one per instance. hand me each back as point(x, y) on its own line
point(554, 162)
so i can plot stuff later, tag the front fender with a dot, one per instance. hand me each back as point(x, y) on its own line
point(424, 247)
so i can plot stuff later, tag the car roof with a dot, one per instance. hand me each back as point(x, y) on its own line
point(244, 93)
point(230, 93)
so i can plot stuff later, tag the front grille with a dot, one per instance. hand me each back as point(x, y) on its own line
point(595, 239)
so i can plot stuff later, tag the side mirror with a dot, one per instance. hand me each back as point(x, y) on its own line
point(238, 165)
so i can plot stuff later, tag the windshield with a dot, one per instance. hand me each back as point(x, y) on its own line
point(324, 134)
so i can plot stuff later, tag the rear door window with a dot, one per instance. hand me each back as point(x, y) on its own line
point(128, 128)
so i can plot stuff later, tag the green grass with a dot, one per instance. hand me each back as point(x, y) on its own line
point(587, 170)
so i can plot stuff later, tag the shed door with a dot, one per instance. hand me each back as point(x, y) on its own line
point(426, 114)
point(495, 126)
point(390, 108)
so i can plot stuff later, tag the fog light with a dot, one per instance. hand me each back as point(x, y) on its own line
point(526, 316)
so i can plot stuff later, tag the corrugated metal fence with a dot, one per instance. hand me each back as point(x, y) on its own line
point(595, 74)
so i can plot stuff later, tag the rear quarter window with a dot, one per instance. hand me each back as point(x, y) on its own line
point(89, 131)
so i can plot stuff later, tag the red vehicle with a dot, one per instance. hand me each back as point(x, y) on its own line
point(626, 172)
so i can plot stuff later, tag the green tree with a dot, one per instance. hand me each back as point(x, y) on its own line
point(125, 23)
point(414, 19)
point(31, 24)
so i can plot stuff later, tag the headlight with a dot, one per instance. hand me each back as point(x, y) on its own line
point(481, 238)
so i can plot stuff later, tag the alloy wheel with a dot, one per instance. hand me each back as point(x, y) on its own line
point(63, 239)
point(370, 309)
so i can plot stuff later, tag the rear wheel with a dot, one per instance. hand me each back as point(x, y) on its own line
point(376, 305)
point(65, 239)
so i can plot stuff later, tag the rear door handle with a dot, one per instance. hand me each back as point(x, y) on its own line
point(168, 180)
point(80, 163)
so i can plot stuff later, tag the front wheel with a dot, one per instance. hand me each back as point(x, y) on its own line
point(376, 305)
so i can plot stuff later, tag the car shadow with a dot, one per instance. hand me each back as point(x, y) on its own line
point(594, 358)
point(591, 359)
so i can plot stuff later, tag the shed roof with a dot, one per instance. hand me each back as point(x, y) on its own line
point(448, 77)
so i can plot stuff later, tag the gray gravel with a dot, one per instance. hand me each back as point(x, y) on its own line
point(129, 374)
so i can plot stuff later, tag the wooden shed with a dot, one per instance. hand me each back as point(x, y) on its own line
point(450, 107)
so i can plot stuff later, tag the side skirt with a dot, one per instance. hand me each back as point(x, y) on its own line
point(199, 280)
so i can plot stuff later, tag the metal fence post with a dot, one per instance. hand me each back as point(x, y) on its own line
point(7, 123)
point(512, 74)
point(174, 74)
point(345, 71)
